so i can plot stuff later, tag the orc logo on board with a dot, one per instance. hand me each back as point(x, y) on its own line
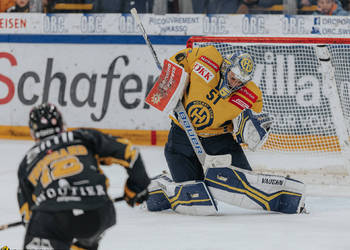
point(201, 114)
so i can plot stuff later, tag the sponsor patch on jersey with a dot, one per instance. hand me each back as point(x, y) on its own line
point(210, 62)
point(203, 72)
point(240, 102)
point(248, 94)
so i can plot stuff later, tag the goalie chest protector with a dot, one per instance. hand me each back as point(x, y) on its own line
point(209, 112)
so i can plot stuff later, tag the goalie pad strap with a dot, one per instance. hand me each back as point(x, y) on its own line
point(255, 191)
point(191, 197)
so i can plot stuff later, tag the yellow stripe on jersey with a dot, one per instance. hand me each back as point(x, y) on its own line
point(74, 247)
point(111, 160)
point(25, 212)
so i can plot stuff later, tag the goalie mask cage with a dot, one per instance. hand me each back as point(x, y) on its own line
point(306, 88)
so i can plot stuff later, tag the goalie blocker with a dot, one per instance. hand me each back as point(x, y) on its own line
point(169, 88)
point(231, 185)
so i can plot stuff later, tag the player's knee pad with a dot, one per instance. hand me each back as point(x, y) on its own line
point(256, 191)
point(191, 197)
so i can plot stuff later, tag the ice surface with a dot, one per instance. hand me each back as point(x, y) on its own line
point(327, 227)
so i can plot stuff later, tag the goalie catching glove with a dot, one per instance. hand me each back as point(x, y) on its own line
point(252, 128)
point(133, 195)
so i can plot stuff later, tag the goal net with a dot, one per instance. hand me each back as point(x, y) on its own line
point(305, 84)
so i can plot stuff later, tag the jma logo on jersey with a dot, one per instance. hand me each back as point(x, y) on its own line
point(203, 72)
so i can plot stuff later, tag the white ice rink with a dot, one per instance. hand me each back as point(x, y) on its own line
point(327, 227)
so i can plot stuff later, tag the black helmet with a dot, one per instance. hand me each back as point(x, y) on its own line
point(45, 120)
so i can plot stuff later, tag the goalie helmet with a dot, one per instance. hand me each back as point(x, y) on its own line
point(45, 120)
point(242, 65)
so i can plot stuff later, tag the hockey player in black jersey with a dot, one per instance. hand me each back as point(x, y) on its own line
point(62, 191)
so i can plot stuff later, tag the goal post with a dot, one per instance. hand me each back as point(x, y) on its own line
point(306, 87)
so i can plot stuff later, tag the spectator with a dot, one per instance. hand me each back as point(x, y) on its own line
point(303, 3)
point(307, 7)
point(215, 6)
point(124, 6)
point(36, 5)
point(109, 6)
point(345, 4)
point(142, 6)
point(161, 7)
point(260, 6)
point(70, 6)
point(330, 7)
point(20, 6)
point(185, 6)
point(6, 4)
point(45, 5)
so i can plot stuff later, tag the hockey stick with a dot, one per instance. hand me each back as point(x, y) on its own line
point(205, 159)
point(18, 223)
point(144, 34)
point(14, 224)
point(121, 198)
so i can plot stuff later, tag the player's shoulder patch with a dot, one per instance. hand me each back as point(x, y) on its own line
point(210, 63)
point(248, 93)
point(240, 102)
point(245, 97)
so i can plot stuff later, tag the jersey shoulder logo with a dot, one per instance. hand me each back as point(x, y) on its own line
point(203, 72)
point(210, 62)
point(240, 102)
point(250, 95)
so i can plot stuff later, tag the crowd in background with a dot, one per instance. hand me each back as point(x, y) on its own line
point(322, 7)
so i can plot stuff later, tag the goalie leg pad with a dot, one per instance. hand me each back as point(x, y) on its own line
point(157, 199)
point(191, 197)
point(255, 191)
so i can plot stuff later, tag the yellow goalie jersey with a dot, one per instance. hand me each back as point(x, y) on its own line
point(211, 114)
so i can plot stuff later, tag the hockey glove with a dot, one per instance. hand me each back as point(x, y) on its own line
point(133, 197)
point(252, 128)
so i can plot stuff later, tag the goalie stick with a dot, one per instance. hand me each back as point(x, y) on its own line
point(18, 223)
point(205, 159)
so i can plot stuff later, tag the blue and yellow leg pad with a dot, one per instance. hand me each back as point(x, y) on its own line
point(190, 197)
point(256, 191)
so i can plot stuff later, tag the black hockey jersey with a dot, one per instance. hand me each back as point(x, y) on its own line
point(62, 172)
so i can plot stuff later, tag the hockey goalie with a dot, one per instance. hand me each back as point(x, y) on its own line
point(224, 106)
